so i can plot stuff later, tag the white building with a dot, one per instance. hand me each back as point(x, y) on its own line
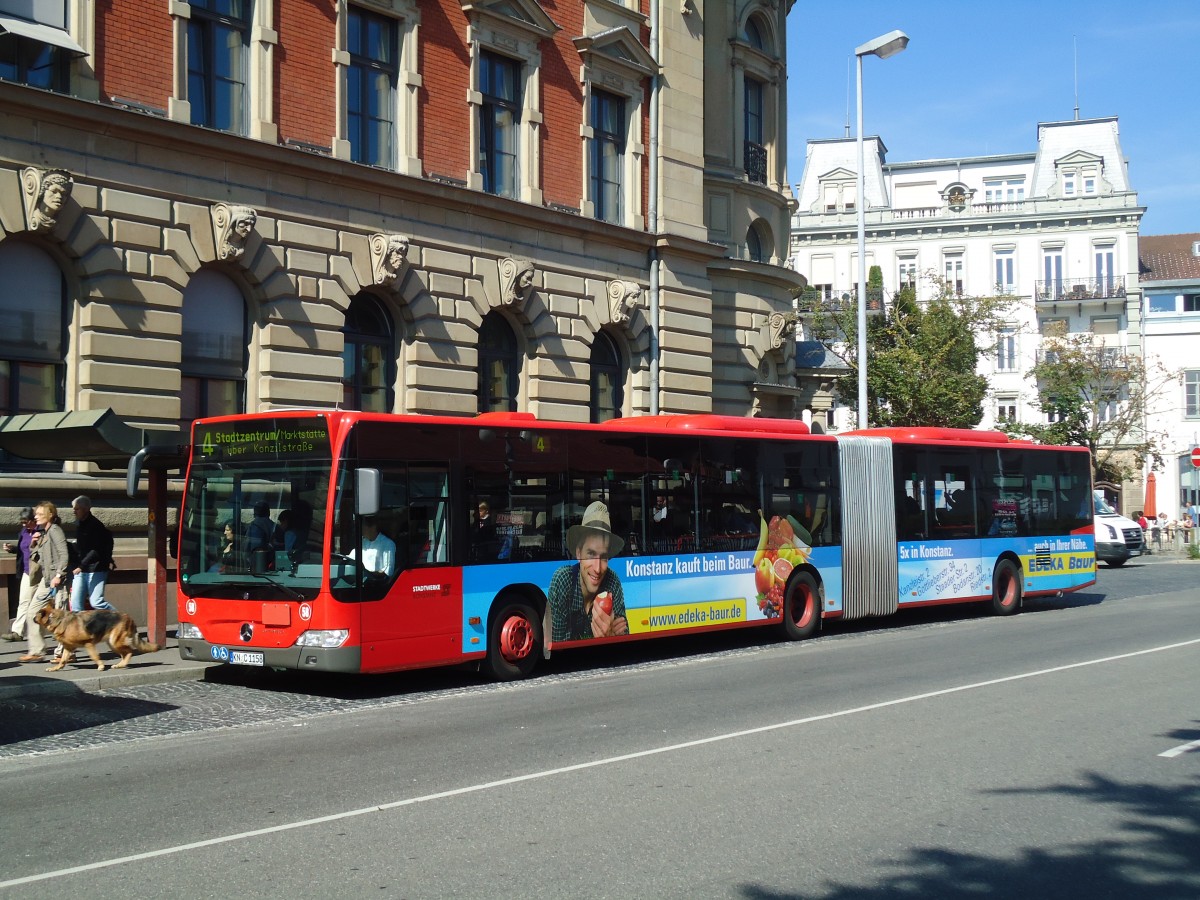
point(1056, 228)
point(1170, 278)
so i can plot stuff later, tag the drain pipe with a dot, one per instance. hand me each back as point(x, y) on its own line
point(652, 205)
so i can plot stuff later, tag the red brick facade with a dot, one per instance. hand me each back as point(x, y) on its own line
point(135, 52)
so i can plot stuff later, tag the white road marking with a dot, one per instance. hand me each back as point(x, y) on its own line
point(577, 767)
point(1180, 750)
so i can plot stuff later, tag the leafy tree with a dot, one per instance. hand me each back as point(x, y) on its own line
point(1097, 397)
point(922, 357)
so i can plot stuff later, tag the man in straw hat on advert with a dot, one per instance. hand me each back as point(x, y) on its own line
point(586, 600)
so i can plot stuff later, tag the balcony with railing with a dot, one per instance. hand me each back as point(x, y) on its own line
point(1040, 207)
point(1081, 290)
point(811, 301)
point(756, 163)
point(1100, 357)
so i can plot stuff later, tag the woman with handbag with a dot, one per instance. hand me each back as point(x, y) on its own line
point(51, 550)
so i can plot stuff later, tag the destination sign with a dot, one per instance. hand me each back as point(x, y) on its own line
point(261, 438)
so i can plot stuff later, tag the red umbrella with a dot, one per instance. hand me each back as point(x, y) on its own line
point(1150, 510)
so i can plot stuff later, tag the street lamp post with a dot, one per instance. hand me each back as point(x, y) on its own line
point(884, 46)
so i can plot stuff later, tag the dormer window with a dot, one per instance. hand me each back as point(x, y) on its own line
point(1080, 174)
point(839, 191)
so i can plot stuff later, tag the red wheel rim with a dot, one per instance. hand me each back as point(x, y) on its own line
point(516, 638)
point(803, 615)
point(1007, 589)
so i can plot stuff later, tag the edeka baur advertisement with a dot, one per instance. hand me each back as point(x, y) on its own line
point(941, 570)
point(660, 593)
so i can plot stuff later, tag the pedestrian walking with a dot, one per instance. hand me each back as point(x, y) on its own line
point(51, 553)
point(95, 544)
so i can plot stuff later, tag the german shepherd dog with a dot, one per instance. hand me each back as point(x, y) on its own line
point(87, 629)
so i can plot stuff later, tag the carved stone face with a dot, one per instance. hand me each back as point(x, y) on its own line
point(397, 253)
point(525, 280)
point(242, 226)
point(54, 194)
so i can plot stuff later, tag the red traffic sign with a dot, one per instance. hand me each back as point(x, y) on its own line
point(1196, 457)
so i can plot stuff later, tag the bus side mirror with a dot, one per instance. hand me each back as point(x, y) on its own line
point(367, 491)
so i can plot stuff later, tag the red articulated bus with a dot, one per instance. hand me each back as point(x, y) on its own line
point(361, 542)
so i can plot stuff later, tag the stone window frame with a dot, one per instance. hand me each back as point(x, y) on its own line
point(406, 158)
point(63, 365)
point(1191, 394)
point(614, 61)
point(513, 354)
point(955, 258)
point(1005, 253)
point(620, 367)
point(387, 338)
point(260, 69)
point(219, 370)
point(1009, 361)
point(515, 29)
point(837, 185)
point(1008, 402)
point(766, 67)
point(1079, 170)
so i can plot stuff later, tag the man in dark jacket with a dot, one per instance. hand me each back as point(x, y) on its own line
point(95, 544)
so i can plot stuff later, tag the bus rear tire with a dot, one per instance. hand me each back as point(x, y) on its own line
point(801, 607)
point(514, 642)
point(1006, 588)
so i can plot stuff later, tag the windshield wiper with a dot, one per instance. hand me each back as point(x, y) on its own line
point(291, 592)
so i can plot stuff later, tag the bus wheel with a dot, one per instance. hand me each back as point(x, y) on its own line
point(514, 642)
point(1006, 588)
point(801, 606)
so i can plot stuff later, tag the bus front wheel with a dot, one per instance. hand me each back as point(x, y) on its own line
point(801, 606)
point(514, 642)
point(1006, 588)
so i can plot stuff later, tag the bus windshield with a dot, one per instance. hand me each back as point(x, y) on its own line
point(254, 511)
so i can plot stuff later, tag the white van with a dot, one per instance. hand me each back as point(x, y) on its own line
point(1117, 538)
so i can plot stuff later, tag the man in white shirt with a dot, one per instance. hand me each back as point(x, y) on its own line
point(378, 550)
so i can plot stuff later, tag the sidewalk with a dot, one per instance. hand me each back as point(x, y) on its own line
point(22, 680)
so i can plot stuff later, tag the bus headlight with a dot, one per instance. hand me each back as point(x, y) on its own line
point(189, 632)
point(328, 640)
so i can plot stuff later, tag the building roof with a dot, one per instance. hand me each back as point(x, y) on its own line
point(1084, 138)
point(1168, 257)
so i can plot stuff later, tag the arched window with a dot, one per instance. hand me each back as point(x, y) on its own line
point(499, 365)
point(368, 357)
point(757, 36)
point(214, 348)
point(758, 243)
point(608, 382)
point(33, 335)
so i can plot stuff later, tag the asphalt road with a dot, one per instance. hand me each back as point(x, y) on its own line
point(945, 754)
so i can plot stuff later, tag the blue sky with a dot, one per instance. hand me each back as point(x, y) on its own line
point(977, 77)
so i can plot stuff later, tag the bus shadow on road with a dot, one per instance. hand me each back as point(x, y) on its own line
point(1074, 600)
point(1148, 852)
point(611, 656)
